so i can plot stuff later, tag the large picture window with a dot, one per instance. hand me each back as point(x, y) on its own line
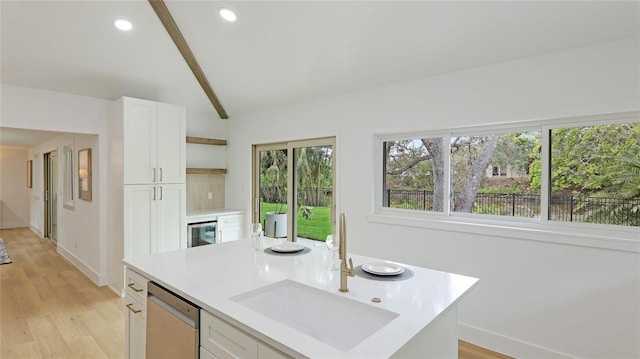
point(590, 175)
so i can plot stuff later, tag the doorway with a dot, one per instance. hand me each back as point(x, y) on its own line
point(51, 197)
point(293, 189)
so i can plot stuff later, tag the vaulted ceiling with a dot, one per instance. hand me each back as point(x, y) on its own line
point(281, 52)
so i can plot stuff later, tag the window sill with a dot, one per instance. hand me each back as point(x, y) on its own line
point(626, 239)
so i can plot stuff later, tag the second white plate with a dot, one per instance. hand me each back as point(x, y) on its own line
point(287, 247)
point(383, 268)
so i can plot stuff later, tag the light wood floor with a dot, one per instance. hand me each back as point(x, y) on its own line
point(49, 309)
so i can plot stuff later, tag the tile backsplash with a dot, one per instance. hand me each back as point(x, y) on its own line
point(198, 188)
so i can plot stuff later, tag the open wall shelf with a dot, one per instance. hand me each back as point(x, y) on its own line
point(206, 171)
point(206, 141)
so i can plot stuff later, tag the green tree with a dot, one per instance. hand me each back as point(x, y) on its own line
point(624, 186)
point(584, 158)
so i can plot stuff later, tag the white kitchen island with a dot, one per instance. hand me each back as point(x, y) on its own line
point(423, 307)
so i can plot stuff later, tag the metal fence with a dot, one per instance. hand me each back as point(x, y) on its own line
point(570, 208)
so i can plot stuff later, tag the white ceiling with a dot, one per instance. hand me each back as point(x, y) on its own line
point(283, 52)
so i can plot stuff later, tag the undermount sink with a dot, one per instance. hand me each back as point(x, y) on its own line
point(333, 319)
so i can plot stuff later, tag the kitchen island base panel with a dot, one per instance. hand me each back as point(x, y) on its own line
point(438, 340)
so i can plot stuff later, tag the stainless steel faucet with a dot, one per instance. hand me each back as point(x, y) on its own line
point(345, 270)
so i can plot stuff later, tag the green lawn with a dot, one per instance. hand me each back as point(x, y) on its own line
point(318, 228)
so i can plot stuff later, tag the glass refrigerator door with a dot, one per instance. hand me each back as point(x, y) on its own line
point(203, 234)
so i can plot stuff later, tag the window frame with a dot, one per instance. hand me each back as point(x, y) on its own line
point(626, 238)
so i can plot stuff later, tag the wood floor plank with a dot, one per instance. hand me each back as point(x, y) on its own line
point(48, 338)
point(49, 309)
point(470, 351)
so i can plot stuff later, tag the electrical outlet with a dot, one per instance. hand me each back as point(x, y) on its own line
point(210, 195)
point(76, 244)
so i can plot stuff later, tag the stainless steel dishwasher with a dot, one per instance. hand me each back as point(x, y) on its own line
point(173, 325)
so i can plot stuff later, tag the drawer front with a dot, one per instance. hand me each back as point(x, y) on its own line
point(136, 286)
point(230, 221)
point(224, 340)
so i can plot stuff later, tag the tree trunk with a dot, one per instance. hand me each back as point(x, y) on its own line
point(435, 146)
point(464, 202)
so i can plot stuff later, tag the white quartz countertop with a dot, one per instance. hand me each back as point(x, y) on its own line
point(210, 275)
point(204, 215)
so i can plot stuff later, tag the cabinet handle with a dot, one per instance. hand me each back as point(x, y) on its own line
point(137, 290)
point(160, 174)
point(154, 174)
point(161, 193)
point(135, 311)
point(154, 193)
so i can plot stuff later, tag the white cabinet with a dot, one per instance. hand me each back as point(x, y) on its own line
point(220, 339)
point(136, 315)
point(154, 142)
point(229, 227)
point(154, 218)
point(147, 181)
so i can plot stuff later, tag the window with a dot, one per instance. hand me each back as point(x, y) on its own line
point(477, 188)
point(414, 174)
point(595, 174)
point(576, 170)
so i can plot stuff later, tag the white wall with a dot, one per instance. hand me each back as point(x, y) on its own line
point(34, 109)
point(28, 108)
point(207, 126)
point(78, 232)
point(535, 298)
point(14, 193)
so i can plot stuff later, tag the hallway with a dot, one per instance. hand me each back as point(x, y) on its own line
point(49, 309)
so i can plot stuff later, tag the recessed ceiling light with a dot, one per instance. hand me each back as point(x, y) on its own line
point(228, 15)
point(122, 24)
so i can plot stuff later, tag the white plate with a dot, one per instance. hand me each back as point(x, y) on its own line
point(287, 247)
point(383, 268)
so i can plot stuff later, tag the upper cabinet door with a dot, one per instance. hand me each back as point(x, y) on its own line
point(171, 129)
point(140, 146)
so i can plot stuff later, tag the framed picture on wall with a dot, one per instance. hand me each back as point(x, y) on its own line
point(30, 174)
point(84, 174)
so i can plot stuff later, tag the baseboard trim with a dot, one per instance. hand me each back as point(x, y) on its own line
point(504, 344)
point(120, 293)
point(35, 230)
point(11, 225)
point(99, 280)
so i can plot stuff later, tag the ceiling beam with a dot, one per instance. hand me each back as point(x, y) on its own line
point(172, 28)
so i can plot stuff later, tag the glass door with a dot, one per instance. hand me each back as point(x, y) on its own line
point(51, 196)
point(270, 188)
point(307, 212)
point(313, 187)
